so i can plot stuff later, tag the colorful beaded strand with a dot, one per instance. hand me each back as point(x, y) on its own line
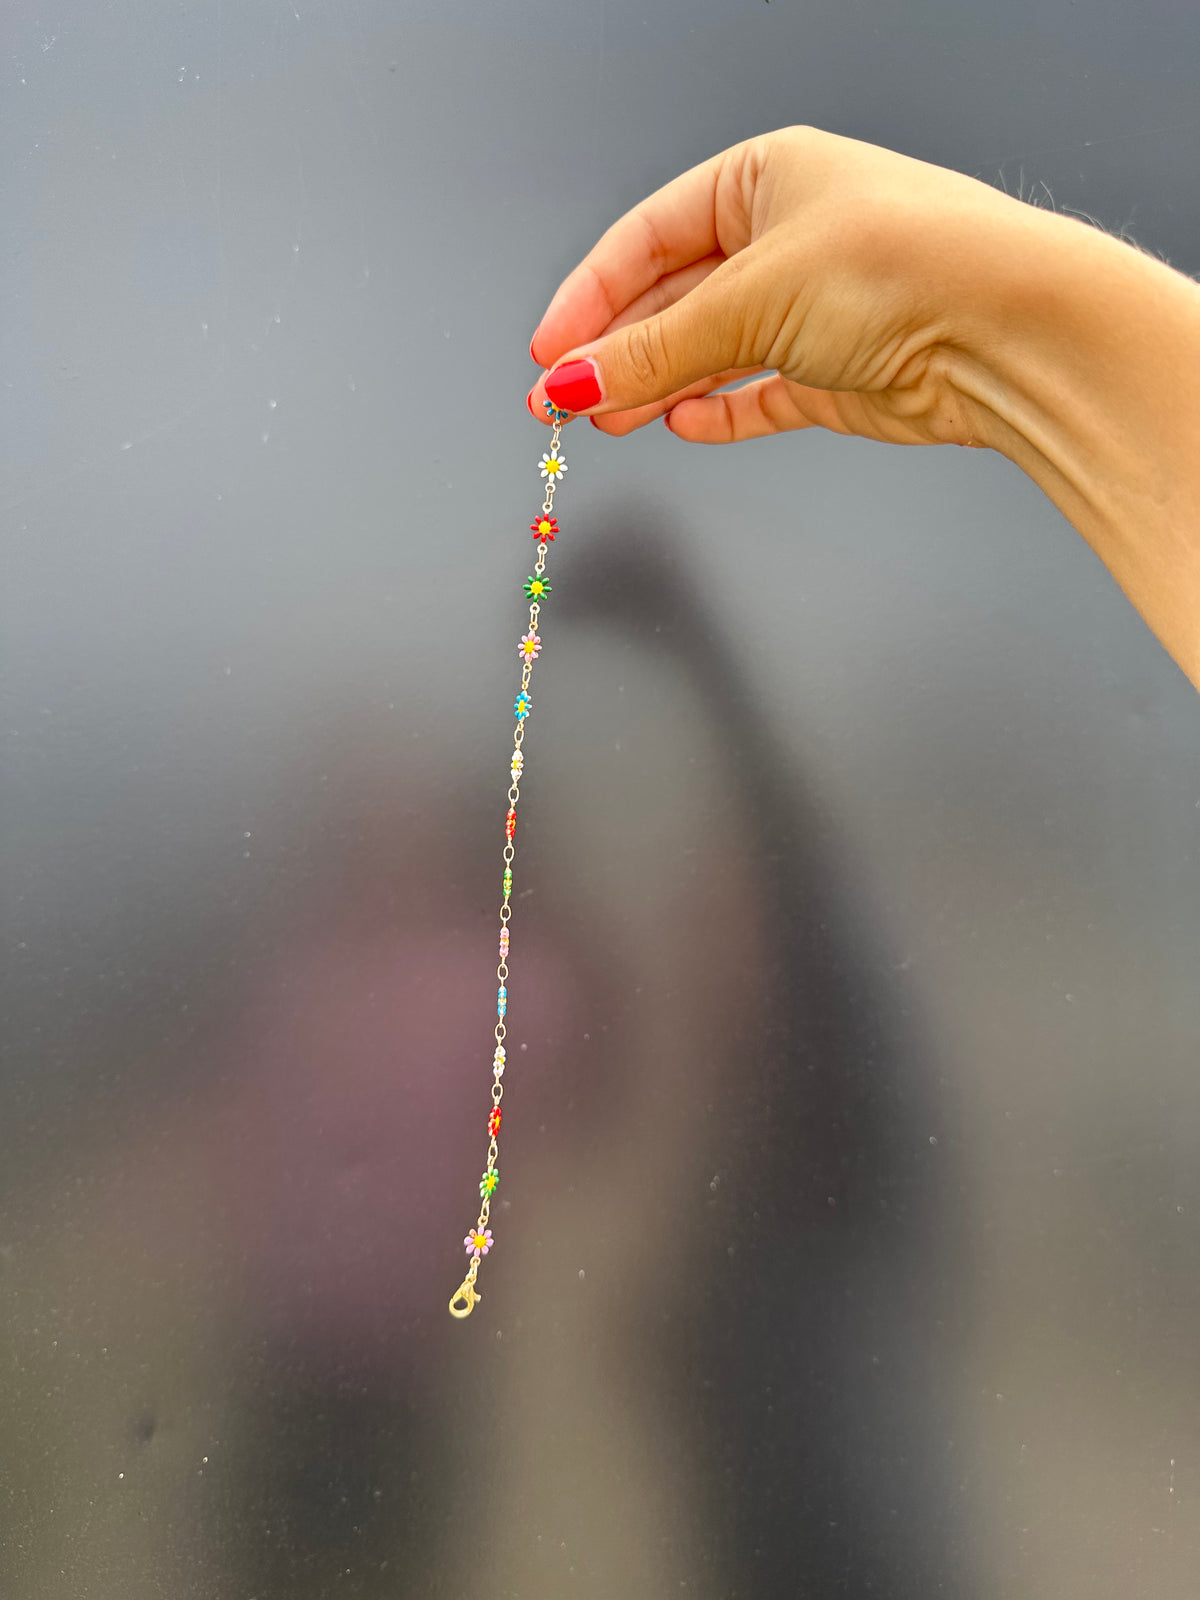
point(543, 527)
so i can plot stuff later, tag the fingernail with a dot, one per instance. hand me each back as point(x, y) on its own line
point(667, 420)
point(529, 404)
point(532, 357)
point(575, 386)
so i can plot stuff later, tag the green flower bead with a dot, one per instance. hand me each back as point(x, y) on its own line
point(487, 1184)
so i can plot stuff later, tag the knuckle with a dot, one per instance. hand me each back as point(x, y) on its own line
point(807, 151)
point(646, 354)
point(746, 163)
point(801, 136)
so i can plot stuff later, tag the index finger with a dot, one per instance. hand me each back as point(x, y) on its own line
point(687, 219)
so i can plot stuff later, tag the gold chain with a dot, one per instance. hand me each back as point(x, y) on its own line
point(544, 526)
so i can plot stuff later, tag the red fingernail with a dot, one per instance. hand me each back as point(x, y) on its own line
point(532, 357)
point(575, 386)
point(667, 420)
point(529, 404)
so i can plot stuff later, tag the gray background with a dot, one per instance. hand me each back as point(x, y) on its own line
point(848, 1241)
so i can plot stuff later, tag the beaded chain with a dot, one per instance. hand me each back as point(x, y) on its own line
point(543, 527)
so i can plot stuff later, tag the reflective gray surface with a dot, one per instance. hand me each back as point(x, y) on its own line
point(849, 1234)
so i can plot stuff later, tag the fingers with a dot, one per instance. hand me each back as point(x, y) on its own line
point(777, 405)
point(662, 294)
point(723, 323)
point(695, 215)
point(773, 405)
point(670, 288)
point(618, 423)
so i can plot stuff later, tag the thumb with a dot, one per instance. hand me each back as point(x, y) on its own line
point(716, 326)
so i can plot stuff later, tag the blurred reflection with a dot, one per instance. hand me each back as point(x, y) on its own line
point(704, 1358)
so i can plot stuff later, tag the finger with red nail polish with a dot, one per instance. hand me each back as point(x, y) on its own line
point(575, 386)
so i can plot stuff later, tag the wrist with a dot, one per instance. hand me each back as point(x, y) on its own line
point(1078, 357)
point(1059, 323)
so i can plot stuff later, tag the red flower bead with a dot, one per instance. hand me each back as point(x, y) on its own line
point(494, 1121)
point(544, 528)
point(510, 823)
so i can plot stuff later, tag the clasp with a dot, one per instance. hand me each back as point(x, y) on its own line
point(468, 1295)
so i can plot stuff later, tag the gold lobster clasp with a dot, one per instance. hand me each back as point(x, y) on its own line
point(467, 1295)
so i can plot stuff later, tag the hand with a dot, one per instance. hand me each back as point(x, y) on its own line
point(898, 301)
point(846, 269)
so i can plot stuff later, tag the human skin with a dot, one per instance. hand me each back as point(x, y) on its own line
point(902, 302)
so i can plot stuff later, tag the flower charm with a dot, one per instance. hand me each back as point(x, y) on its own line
point(518, 763)
point(494, 1121)
point(503, 956)
point(556, 415)
point(487, 1184)
point(510, 827)
point(529, 646)
point(544, 528)
point(553, 467)
point(498, 1061)
point(501, 1000)
point(536, 588)
point(522, 704)
point(477, 1243)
